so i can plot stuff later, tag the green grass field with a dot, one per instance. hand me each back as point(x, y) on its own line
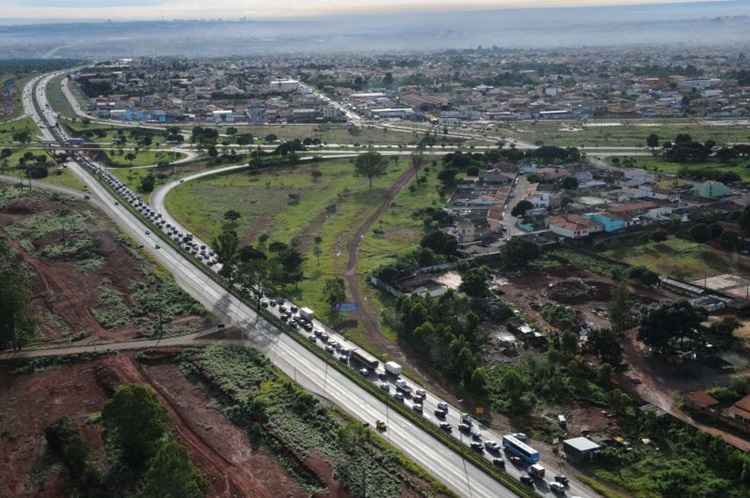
point(660, 166)
point(62, 177)
point(266, 207)
point(143, 157)
point(9, 128)
point(631, 134)
point(331, 133)
point(57, 99)
point(682, 259)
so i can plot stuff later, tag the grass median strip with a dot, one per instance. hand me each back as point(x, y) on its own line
point(504, 478)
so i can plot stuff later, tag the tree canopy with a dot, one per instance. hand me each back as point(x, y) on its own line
point(136, 421)
point(672, 327)
point(370, 164)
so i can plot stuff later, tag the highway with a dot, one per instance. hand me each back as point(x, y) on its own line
point(296, 361)
point(305, 367)
point(431, 401)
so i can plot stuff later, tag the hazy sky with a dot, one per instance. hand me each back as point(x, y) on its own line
point(197, 9)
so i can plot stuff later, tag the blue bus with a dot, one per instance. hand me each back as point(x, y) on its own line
point(520, 449)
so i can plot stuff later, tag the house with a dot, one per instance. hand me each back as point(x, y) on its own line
point(580, 448)
point(609, 223)
point(740, 411)
point(495, 177)
point(711, 190)
point(701, 401)
point(573, 226)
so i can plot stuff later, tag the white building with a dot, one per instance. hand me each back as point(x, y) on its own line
point(284, 85)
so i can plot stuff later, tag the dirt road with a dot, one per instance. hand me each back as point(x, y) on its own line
point(365, 314)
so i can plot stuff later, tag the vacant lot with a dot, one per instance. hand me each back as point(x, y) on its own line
point(89, 282)
point(288, 204)
point(627, 134)
point(10, 128)
point(671, 168)
point(332, 134)
point(682, 259)
point(141, 157)
point(60, 176)
point(57, 99)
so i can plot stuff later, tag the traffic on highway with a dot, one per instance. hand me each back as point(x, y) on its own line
point(509, 451)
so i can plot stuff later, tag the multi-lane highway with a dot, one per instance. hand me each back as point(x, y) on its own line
point(305, 367)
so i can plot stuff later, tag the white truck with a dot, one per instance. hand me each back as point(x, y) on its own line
point(393, 368)
point(536, 471)
point(306, 314)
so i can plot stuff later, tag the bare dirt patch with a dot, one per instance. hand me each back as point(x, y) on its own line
point(89, 284)
point(222, 452)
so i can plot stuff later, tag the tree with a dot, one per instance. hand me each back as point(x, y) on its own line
point(701, 233)
point(663, 328)
point(474, 282)
point(652, 141)
point(136, 421)
point(17, 324)
point(570, 183)
point(317, 250)
point(371, 164)
point(605, 344)
point(643, 275)
point(417, 161)
point(519, 210)
point(226, 245)
point(334, 292)
point(171, 474)
point(517, 253)
point(232, 216)
point(744, 221)
point(729, 241)
point(130, 157)
point(448, 177)
point(619, 308)
point(148, 183)
point(440, 242)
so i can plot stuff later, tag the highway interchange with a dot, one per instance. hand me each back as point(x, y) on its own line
point(295, 360)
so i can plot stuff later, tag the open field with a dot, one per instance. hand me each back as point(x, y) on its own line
point(13, 160)
point(56, 98)
point(8, 129)
point(331, 133)
point(658, 165)
point(632, 133)
point(90, 283)
point(132, 176)
point(330, 207)
point(62, 177)
point(13, 107)
point(142, 157)
point(682, 259)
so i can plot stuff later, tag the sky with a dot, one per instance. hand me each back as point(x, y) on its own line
point(232, 9)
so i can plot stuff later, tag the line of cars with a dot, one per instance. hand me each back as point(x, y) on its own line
point(185, 239)
point(387, 376)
